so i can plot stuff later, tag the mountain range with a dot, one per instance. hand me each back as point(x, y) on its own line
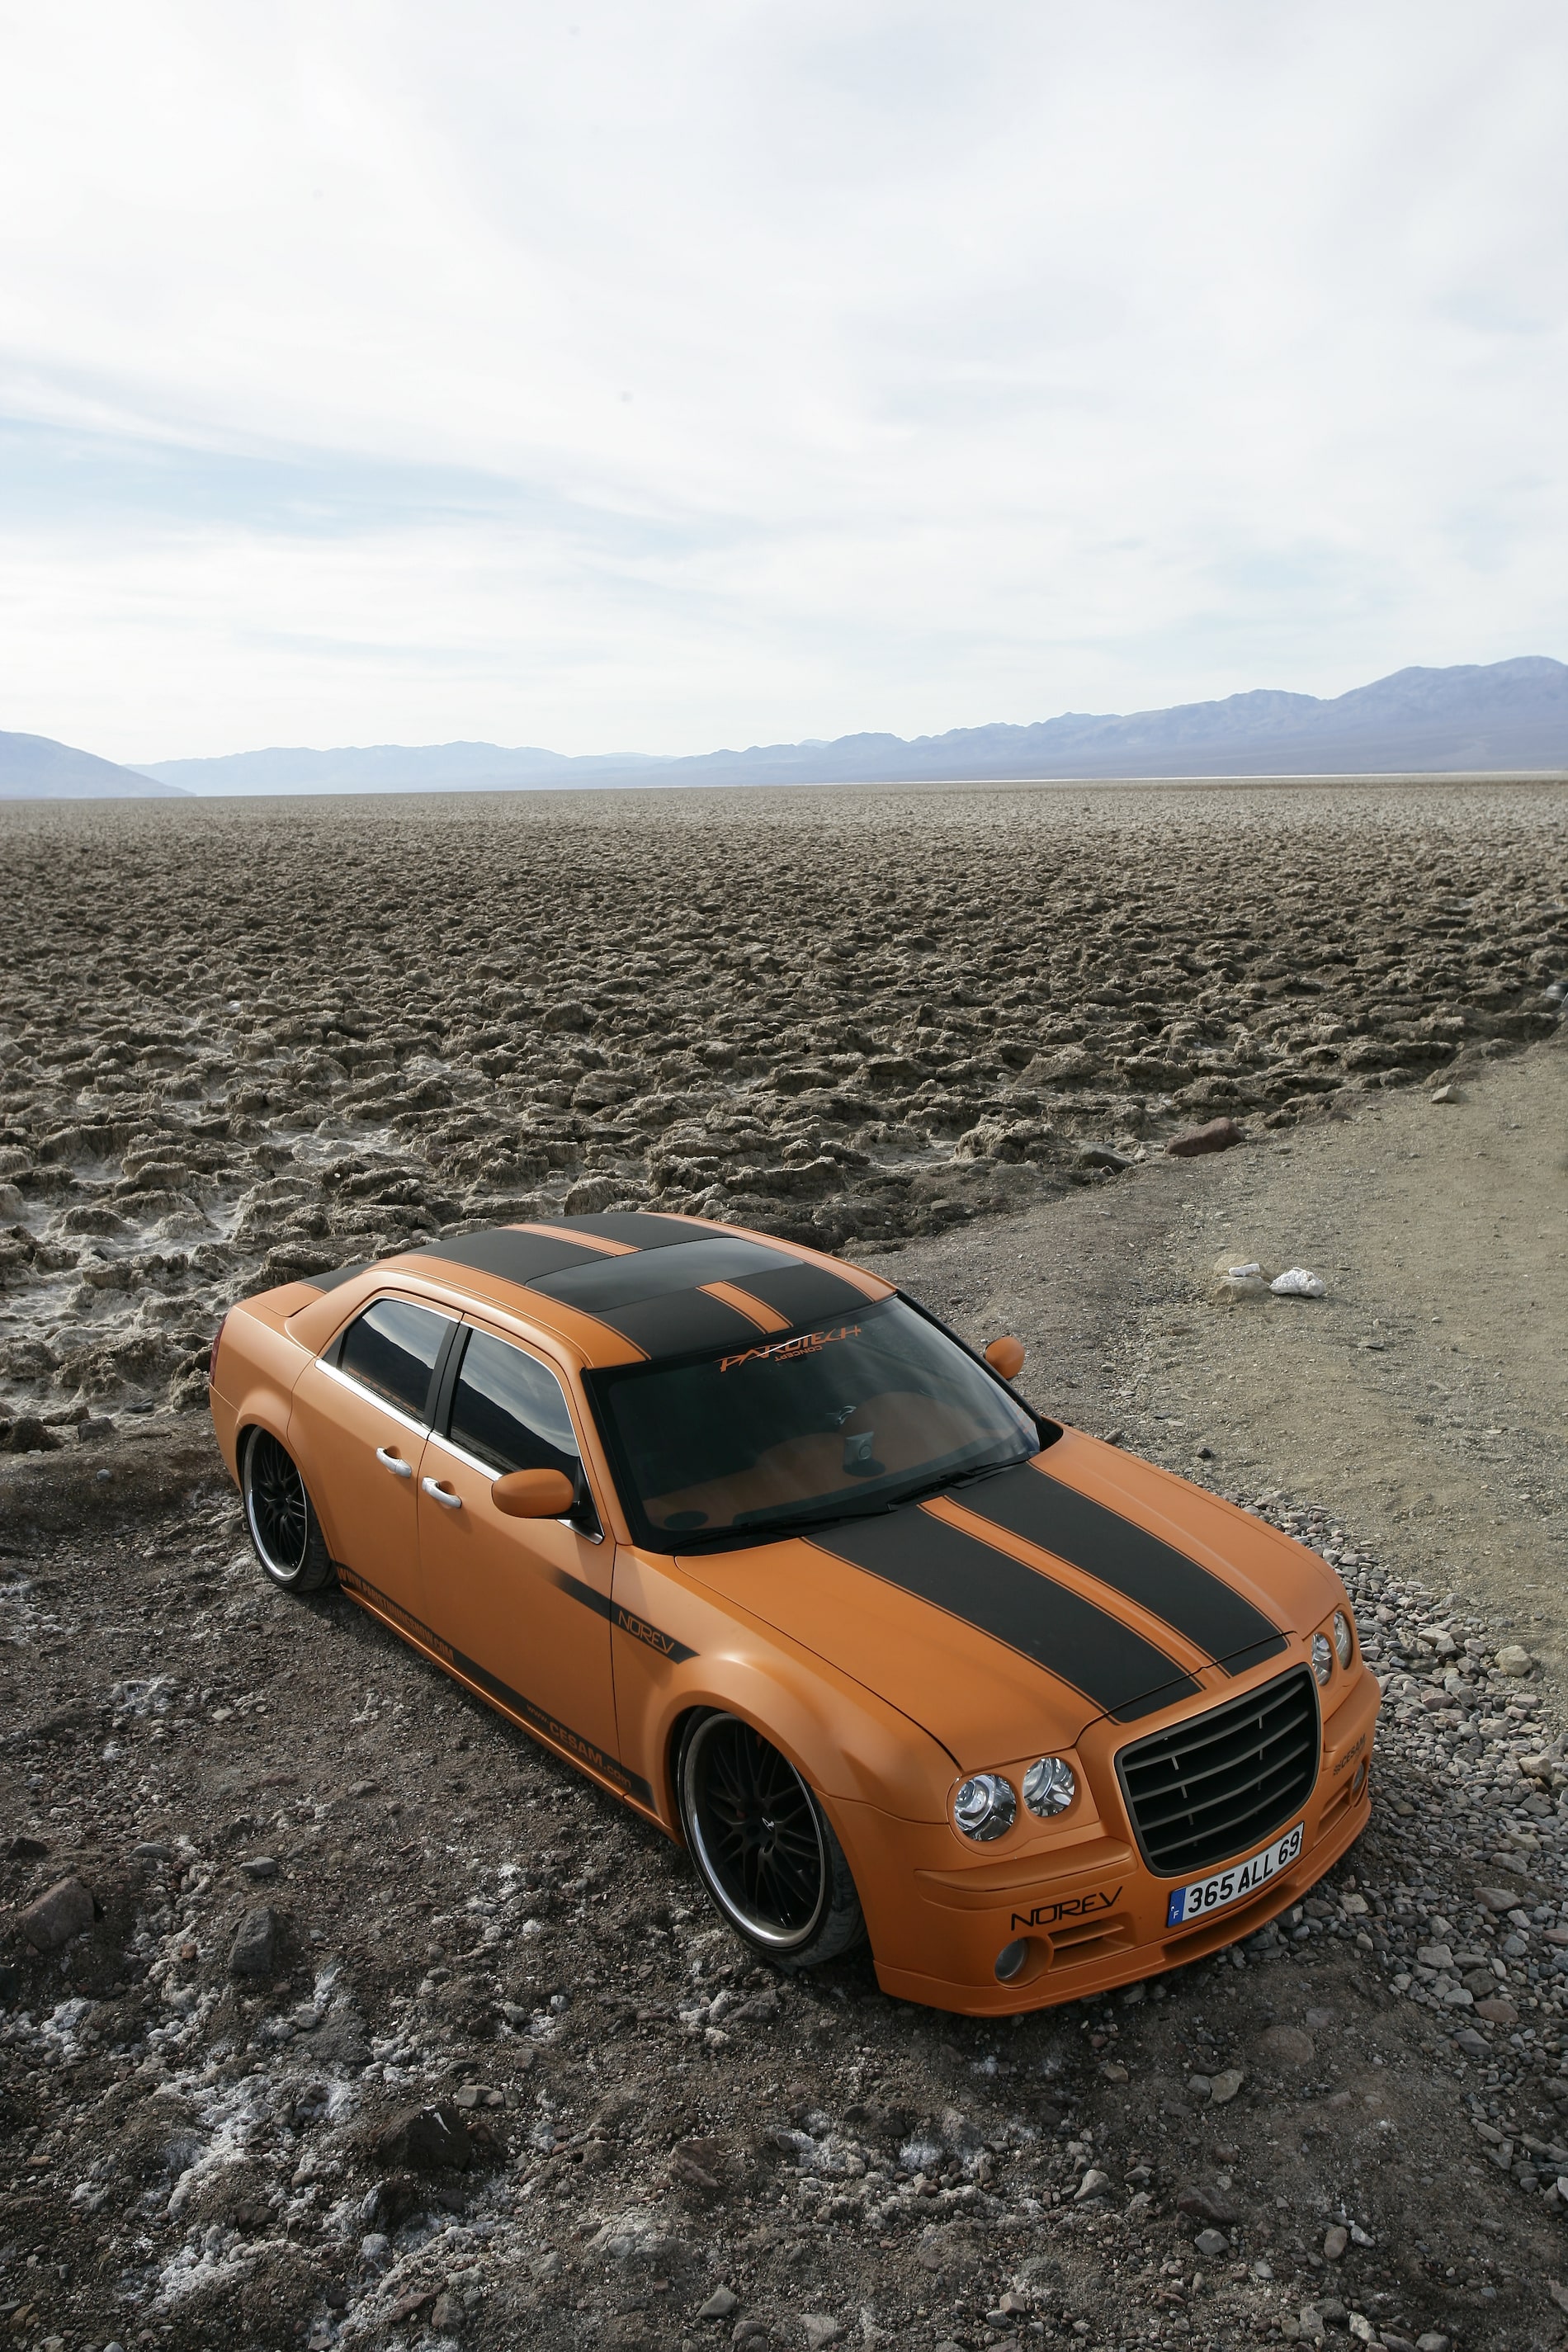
point(1500, 718)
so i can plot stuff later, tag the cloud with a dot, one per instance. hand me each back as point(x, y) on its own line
point(615, 378)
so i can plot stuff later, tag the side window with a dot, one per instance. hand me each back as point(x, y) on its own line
point(393, 1349)
point(508, 1409)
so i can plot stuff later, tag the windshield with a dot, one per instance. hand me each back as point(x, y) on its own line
point(846, 1417)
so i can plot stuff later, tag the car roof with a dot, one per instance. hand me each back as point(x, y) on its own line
point(629, 1284)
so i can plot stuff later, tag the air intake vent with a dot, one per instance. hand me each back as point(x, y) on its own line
point(1211, 1789)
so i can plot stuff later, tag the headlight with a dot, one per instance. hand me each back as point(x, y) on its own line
point(1344, 1639)
point(1049, 1786)
point(985, 1806)
point(1323, 1657)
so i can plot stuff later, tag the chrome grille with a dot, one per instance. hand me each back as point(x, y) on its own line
point(1209, 1790)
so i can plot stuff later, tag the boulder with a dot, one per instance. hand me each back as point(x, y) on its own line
point(66, 1910)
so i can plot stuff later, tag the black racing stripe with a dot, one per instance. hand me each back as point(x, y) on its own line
point(654, 1274)
point(631, 1225)
point(679, 1325)
point(1104, 1545)
point(999, 1595)
point(587, 1751)
point(802, 1292)
point(510, 1252)
point(330, 1281)
point(1241, 1662)
point(624, 1620)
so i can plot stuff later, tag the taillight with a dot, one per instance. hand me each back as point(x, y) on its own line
point(212, 1354)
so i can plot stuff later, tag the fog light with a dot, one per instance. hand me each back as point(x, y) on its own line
point(1011, 1958)
point(1323, 1657)
point(1344, 1639)
point(1049, 1786)
point(1359, 1783)
point(985, 1806)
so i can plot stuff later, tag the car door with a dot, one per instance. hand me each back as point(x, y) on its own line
point(359, 1421)
point(524, 1604)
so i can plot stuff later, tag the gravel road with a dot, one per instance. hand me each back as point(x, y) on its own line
point(369, 2023)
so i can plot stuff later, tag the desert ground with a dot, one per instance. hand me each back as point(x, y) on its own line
point(380, 2027)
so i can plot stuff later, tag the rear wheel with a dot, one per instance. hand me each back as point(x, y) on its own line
point(282, 1521)
point(762, 1845)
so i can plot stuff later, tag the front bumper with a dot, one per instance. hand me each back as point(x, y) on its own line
point(1093, 1915)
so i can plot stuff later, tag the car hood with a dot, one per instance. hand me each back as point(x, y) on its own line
point(1006, 1616)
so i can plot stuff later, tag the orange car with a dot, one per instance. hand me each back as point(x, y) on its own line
point(758, 1544)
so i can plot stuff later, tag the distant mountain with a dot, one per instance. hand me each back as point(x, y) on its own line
point(1505, 718)
point(37, 767)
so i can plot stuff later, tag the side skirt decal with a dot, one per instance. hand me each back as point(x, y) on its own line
point(527, 1710)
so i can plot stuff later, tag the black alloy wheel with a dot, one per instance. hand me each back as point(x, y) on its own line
point(283, 1525)
point(765, 1850)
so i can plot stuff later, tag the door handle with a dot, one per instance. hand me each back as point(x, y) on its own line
point(394, 1462)
point(449, 1501)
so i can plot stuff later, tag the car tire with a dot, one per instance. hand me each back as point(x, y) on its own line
point(762, 1845)
point(284, 1529)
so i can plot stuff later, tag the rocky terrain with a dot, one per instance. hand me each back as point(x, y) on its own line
point(337, 2013)
point(332, 2012)
point(241, 1042)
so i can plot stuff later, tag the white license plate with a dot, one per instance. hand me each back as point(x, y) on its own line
point(1243, 1878)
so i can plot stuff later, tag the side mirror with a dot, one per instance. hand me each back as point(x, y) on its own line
point(1006, 1356)
point(534, 1494)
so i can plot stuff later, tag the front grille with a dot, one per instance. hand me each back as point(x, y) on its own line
point(1212, 1788)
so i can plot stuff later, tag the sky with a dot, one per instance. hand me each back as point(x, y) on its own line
point(613, 378)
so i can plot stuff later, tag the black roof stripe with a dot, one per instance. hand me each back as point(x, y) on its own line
point(653, 1274)
point(1069, 1636)
point(642, 1230)
point(338, 1274)
point(1102, 1544)
point(678, 1324)
point(801, 1292)
point(510, 1253)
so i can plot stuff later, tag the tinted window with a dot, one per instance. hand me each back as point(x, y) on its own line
point(392, 1350)
point(842, 1419)
point(509, 1410)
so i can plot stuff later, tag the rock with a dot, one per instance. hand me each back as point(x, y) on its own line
point(254, 1952)
point(260, 1865)
point(1444, 1095)
point(1433, 2341)
point(429, 2140)
point(1202, 2204)
point(1101, 1155)
point(819, 2329)
point(1514, 1662)
point(66, 1910)
point(1212, 2243)
point(1362, 2328)
point(24, 1848)
point(1093, 2184)
point(719, 2304)
point(1298, 1282)
point(1335, 2240)
point(445, 2312)
point(1498, 1898)
point(1223, 2087)
point(27, 1434)
point(1286, 2046)
point(1218, 1134)
point(1310, 2323)
point(1497, 2011)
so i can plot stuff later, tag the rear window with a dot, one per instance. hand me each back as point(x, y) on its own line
point(508, 1409)
point(391, 1350)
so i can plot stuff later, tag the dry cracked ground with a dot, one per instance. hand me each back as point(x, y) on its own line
point(332, 2012)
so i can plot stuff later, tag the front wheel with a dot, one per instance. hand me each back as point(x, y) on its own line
point(282, 1520)
point(762, 1845)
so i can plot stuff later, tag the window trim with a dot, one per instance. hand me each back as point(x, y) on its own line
point(441, 1424)
point(331, 1359)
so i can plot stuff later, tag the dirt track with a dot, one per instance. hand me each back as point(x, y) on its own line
point(647, 2123)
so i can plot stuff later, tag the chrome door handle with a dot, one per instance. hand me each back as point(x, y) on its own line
point(439, 1494)
point(394, 1462)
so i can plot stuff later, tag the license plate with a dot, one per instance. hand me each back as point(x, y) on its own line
point(1243, 1878)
